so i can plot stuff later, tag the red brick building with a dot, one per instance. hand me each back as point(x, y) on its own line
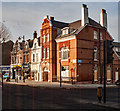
point(21, 58)
point(49, 30)
point(80, 50)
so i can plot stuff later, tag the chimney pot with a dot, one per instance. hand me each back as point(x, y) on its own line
point(51, 18)
point(103, 10)
point(85, 19)
point(84, 5)
point(103, 18)
point(35, 34)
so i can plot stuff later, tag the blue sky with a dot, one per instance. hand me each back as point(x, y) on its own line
point(24, 17)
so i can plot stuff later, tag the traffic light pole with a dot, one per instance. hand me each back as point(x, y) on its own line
point(104, 71)
point(60, 73)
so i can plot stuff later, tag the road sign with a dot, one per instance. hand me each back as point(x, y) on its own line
point(79, 61)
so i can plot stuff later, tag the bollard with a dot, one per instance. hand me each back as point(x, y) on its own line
point(99, 94)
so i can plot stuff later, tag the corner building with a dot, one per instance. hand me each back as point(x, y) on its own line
point(80, 50)
point(75, 50)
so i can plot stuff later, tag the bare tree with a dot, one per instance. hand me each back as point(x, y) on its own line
point(5, 34)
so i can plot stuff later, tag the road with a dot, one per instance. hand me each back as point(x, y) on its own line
point(26, 97)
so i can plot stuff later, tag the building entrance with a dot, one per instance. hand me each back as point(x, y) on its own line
point(45, 74)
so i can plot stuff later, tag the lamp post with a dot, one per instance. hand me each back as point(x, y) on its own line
point(23, 37)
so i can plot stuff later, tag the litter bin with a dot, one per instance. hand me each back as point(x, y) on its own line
point(99, 94)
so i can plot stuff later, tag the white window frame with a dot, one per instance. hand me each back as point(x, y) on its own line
point(63, 50)
point(47, 37)
point(95, 53)
point(37, 59)
point(43, 38)
point(95, 35)
point(101, 38)
point(47, 53)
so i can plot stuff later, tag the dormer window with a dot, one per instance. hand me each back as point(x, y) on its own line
point(65, 31)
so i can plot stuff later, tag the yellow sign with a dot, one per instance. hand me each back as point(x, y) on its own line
point(99, 91)
point(17, 66)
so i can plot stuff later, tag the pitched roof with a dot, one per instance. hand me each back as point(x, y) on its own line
point(116, 44)
point(30, 43)
point(118, 53)
point(59, 24)
point(77, 27)
point(93, 23)
point(76, 24)
point(38, 41)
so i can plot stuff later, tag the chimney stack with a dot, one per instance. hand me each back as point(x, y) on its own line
point(35, 34)
point(84, 14)
point(103, 18)
point(51, 18)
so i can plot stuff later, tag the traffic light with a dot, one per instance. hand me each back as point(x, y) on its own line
point(110, 51)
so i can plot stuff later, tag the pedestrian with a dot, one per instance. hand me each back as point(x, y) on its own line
point(24, 79)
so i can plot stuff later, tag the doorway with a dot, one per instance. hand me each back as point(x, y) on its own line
point(45, 74)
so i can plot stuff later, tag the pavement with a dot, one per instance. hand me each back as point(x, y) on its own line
point(57, 84)
point(69, 86)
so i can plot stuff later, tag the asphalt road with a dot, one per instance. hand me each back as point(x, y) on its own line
point(26, 97)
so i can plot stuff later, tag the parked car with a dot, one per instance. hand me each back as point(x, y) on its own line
point(6, 75)
point(117, 82)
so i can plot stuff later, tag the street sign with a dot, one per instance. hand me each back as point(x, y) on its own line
point(79, 61)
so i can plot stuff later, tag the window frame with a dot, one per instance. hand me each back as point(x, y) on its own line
point(95, 53)
point(47, 36)
point(64, 52)
point(95, 35)
point(47, 53)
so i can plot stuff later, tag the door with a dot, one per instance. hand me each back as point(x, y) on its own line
point(95, 75)
point(116, 76)
point(45, 76)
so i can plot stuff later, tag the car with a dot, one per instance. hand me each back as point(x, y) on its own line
point(6, 76)
point(117, 82)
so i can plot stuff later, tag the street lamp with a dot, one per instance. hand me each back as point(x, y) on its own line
point(22, 37)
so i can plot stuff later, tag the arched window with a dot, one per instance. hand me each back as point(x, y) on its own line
point(64, 53)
